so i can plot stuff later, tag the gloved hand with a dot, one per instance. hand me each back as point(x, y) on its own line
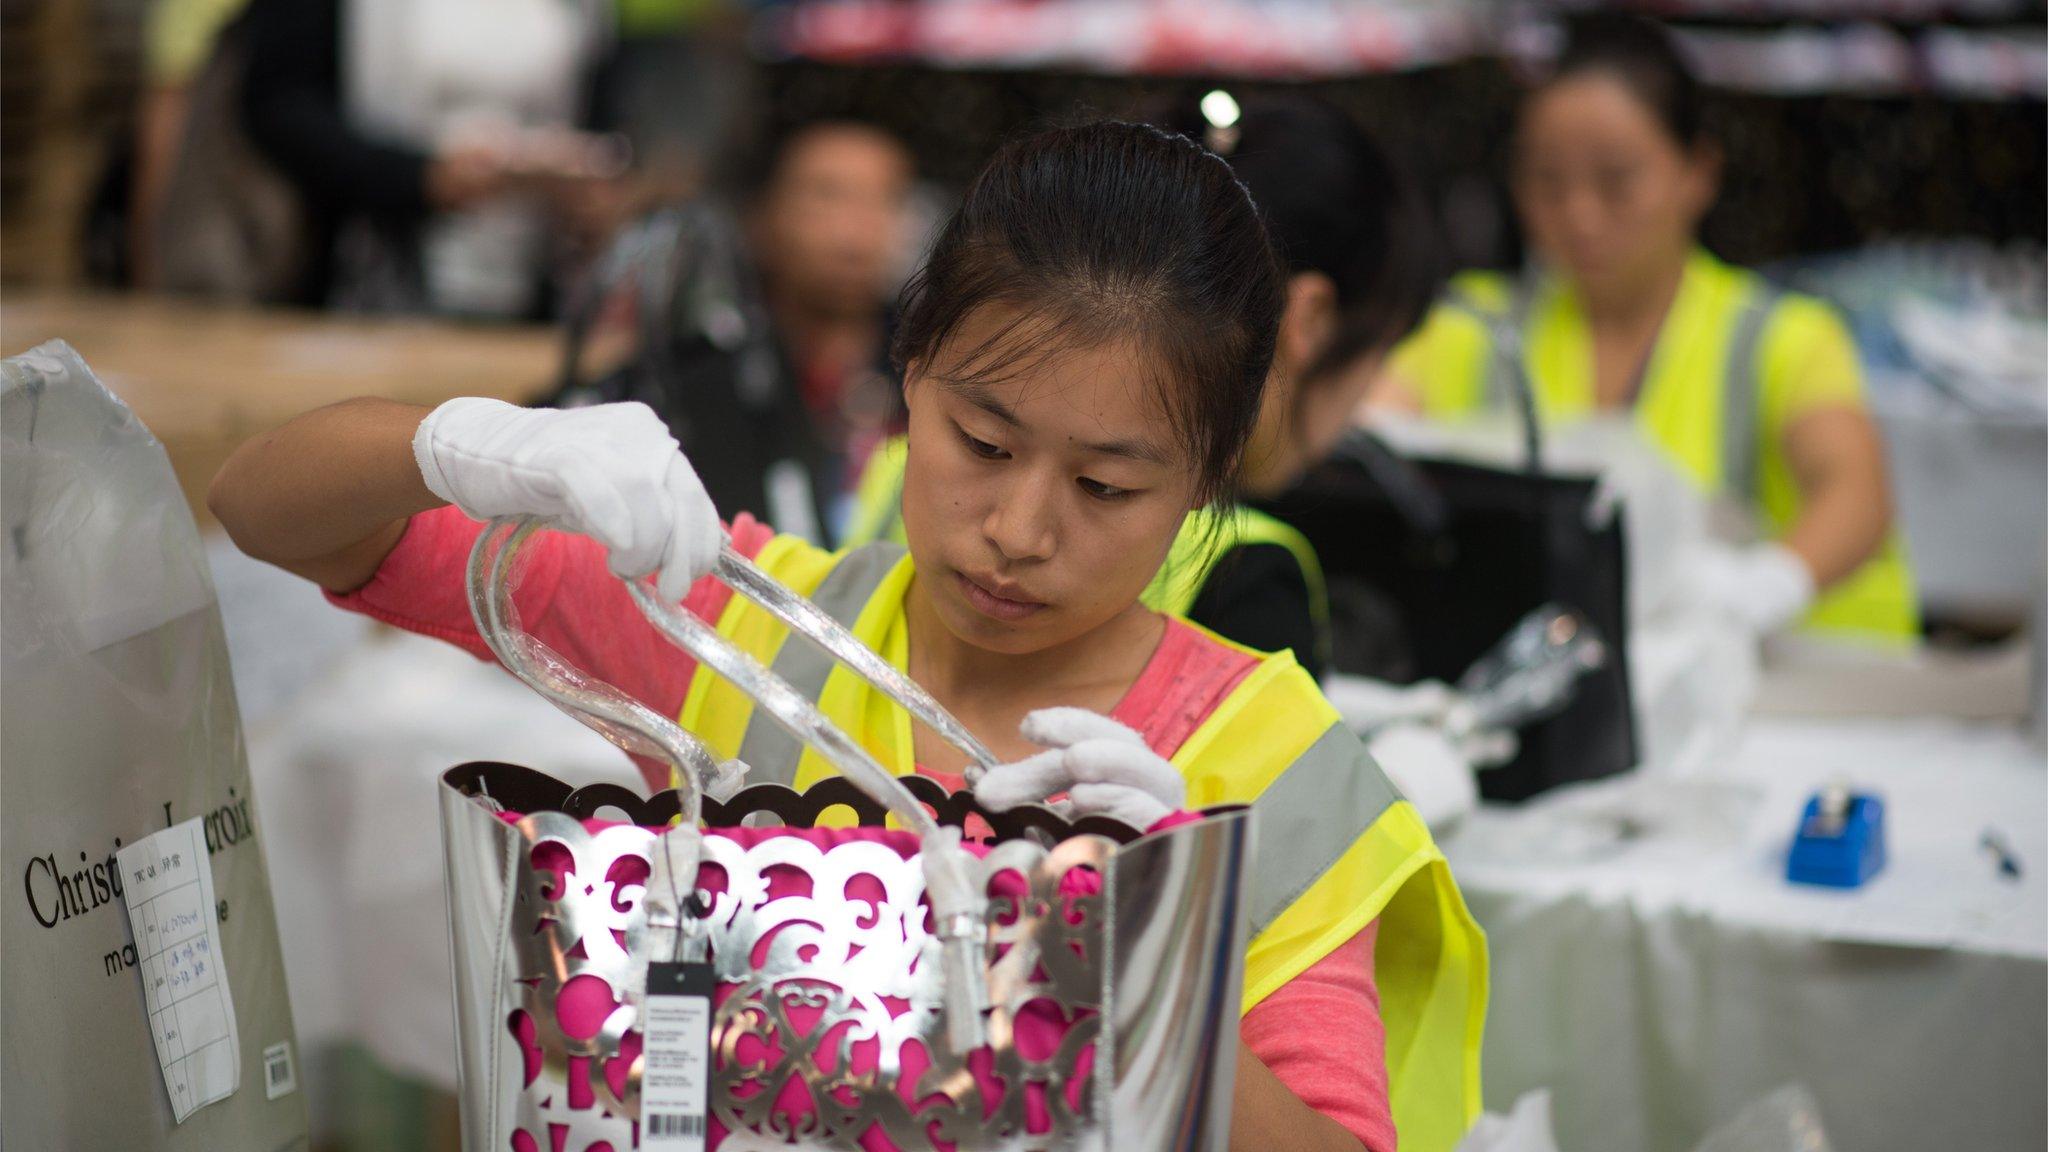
point(1104, 768)
point(610, 472)
point(1763, 587)
point(1367, 704)
point(1432, 771)
point(1370, 707)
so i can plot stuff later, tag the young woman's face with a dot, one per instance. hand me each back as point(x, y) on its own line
point(1606, 192)
point(1039, 507)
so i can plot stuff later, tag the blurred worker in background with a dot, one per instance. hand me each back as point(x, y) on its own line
point(828, 222)
point(1755, 394)
point(763, 329)
point(433, 145)
point(178, 39)
point(1344, 222)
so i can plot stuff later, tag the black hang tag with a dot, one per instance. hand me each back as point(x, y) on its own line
point(681, 978)
point(675, 1077)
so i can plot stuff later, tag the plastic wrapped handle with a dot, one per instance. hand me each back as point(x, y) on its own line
point(619, 718)
point(958, 906)
point(815, 625)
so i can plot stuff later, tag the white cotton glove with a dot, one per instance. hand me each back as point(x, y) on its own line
point(1104, 768)
point(611, 472)
point(1763, 587)
point(1367, 704)
point(1433, 771)
point(1371, 707)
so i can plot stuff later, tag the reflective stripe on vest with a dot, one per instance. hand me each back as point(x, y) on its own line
point(1334, 774)
point(768, 749)
point(1741, 459)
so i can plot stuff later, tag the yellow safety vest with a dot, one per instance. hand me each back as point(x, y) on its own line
point(1337, 845)
point(1735, 364)
point(1206, 536)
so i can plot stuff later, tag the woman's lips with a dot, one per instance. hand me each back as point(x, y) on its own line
point(991, 604)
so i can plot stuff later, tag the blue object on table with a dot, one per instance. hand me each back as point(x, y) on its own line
point(1840, 842)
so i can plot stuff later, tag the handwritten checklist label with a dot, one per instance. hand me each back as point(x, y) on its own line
point(167, 883)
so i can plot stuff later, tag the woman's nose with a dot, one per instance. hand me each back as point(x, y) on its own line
point(1584, 215)
point(1021, 522)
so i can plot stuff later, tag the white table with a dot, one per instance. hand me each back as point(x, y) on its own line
point(349, 724)
point(1658, 983)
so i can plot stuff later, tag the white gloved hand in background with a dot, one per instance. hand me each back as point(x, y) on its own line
point(1104, 767)
point(1366, 703)
point(611, 472)
point(1433, 772)
point(1763, 587)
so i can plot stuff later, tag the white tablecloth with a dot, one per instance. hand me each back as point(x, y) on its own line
point(1653, 968)
point(348, 727)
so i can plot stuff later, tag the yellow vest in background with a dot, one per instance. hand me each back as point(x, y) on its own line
point(1800, 358)
point(1276, 743)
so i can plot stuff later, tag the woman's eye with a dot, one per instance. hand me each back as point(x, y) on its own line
point(1101, 491)
point(981, 448)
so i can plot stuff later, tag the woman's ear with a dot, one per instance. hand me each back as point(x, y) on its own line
point(1702, 178)
point(913, 371)
point(1307, 324)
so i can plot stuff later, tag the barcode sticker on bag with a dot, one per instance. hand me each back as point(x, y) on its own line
point(675, 1077)
point(665, 1124)
point(279, 1079)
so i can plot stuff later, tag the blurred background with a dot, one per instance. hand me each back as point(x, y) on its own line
point(240, 209)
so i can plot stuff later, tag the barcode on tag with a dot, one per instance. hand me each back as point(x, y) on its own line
point(661, 1124)
point(675, 1083)
point(278, 1077)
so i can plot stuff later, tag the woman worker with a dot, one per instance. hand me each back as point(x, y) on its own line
point(1754, 394)
point(1358, 280)
point(1084, 355)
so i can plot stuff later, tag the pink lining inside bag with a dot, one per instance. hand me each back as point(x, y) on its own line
point(1040, 1027)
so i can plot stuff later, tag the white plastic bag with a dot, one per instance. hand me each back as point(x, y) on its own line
point(118, 720)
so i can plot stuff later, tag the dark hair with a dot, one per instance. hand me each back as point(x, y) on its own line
point(750, 171)
point(1334, 203)
point(1108, 231)
point(1645, 58)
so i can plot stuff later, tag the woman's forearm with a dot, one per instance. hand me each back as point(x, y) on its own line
point(326, 495)
point(1838, 462)
point(1266, 1115)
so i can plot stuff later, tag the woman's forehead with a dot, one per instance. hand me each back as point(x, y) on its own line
point(1041, 375)
point(1587, 109)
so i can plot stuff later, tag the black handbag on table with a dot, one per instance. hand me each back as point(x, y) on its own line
point(1431, 561)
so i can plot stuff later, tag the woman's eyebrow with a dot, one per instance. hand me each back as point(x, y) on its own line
point(981, 397)
point(1139, 450)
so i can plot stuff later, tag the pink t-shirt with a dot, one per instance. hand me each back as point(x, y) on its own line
point(569, 600)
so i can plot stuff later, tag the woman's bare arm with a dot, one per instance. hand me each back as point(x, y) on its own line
point(327, 495)
point(1266, 1115)
point(1837, 460)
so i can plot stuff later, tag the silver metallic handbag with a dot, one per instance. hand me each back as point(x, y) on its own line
point(1075, 987)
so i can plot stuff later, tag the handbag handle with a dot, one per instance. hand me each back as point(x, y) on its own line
point(958, 904)
point(1504, 334)
point(620, 719)
point(817, 626)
